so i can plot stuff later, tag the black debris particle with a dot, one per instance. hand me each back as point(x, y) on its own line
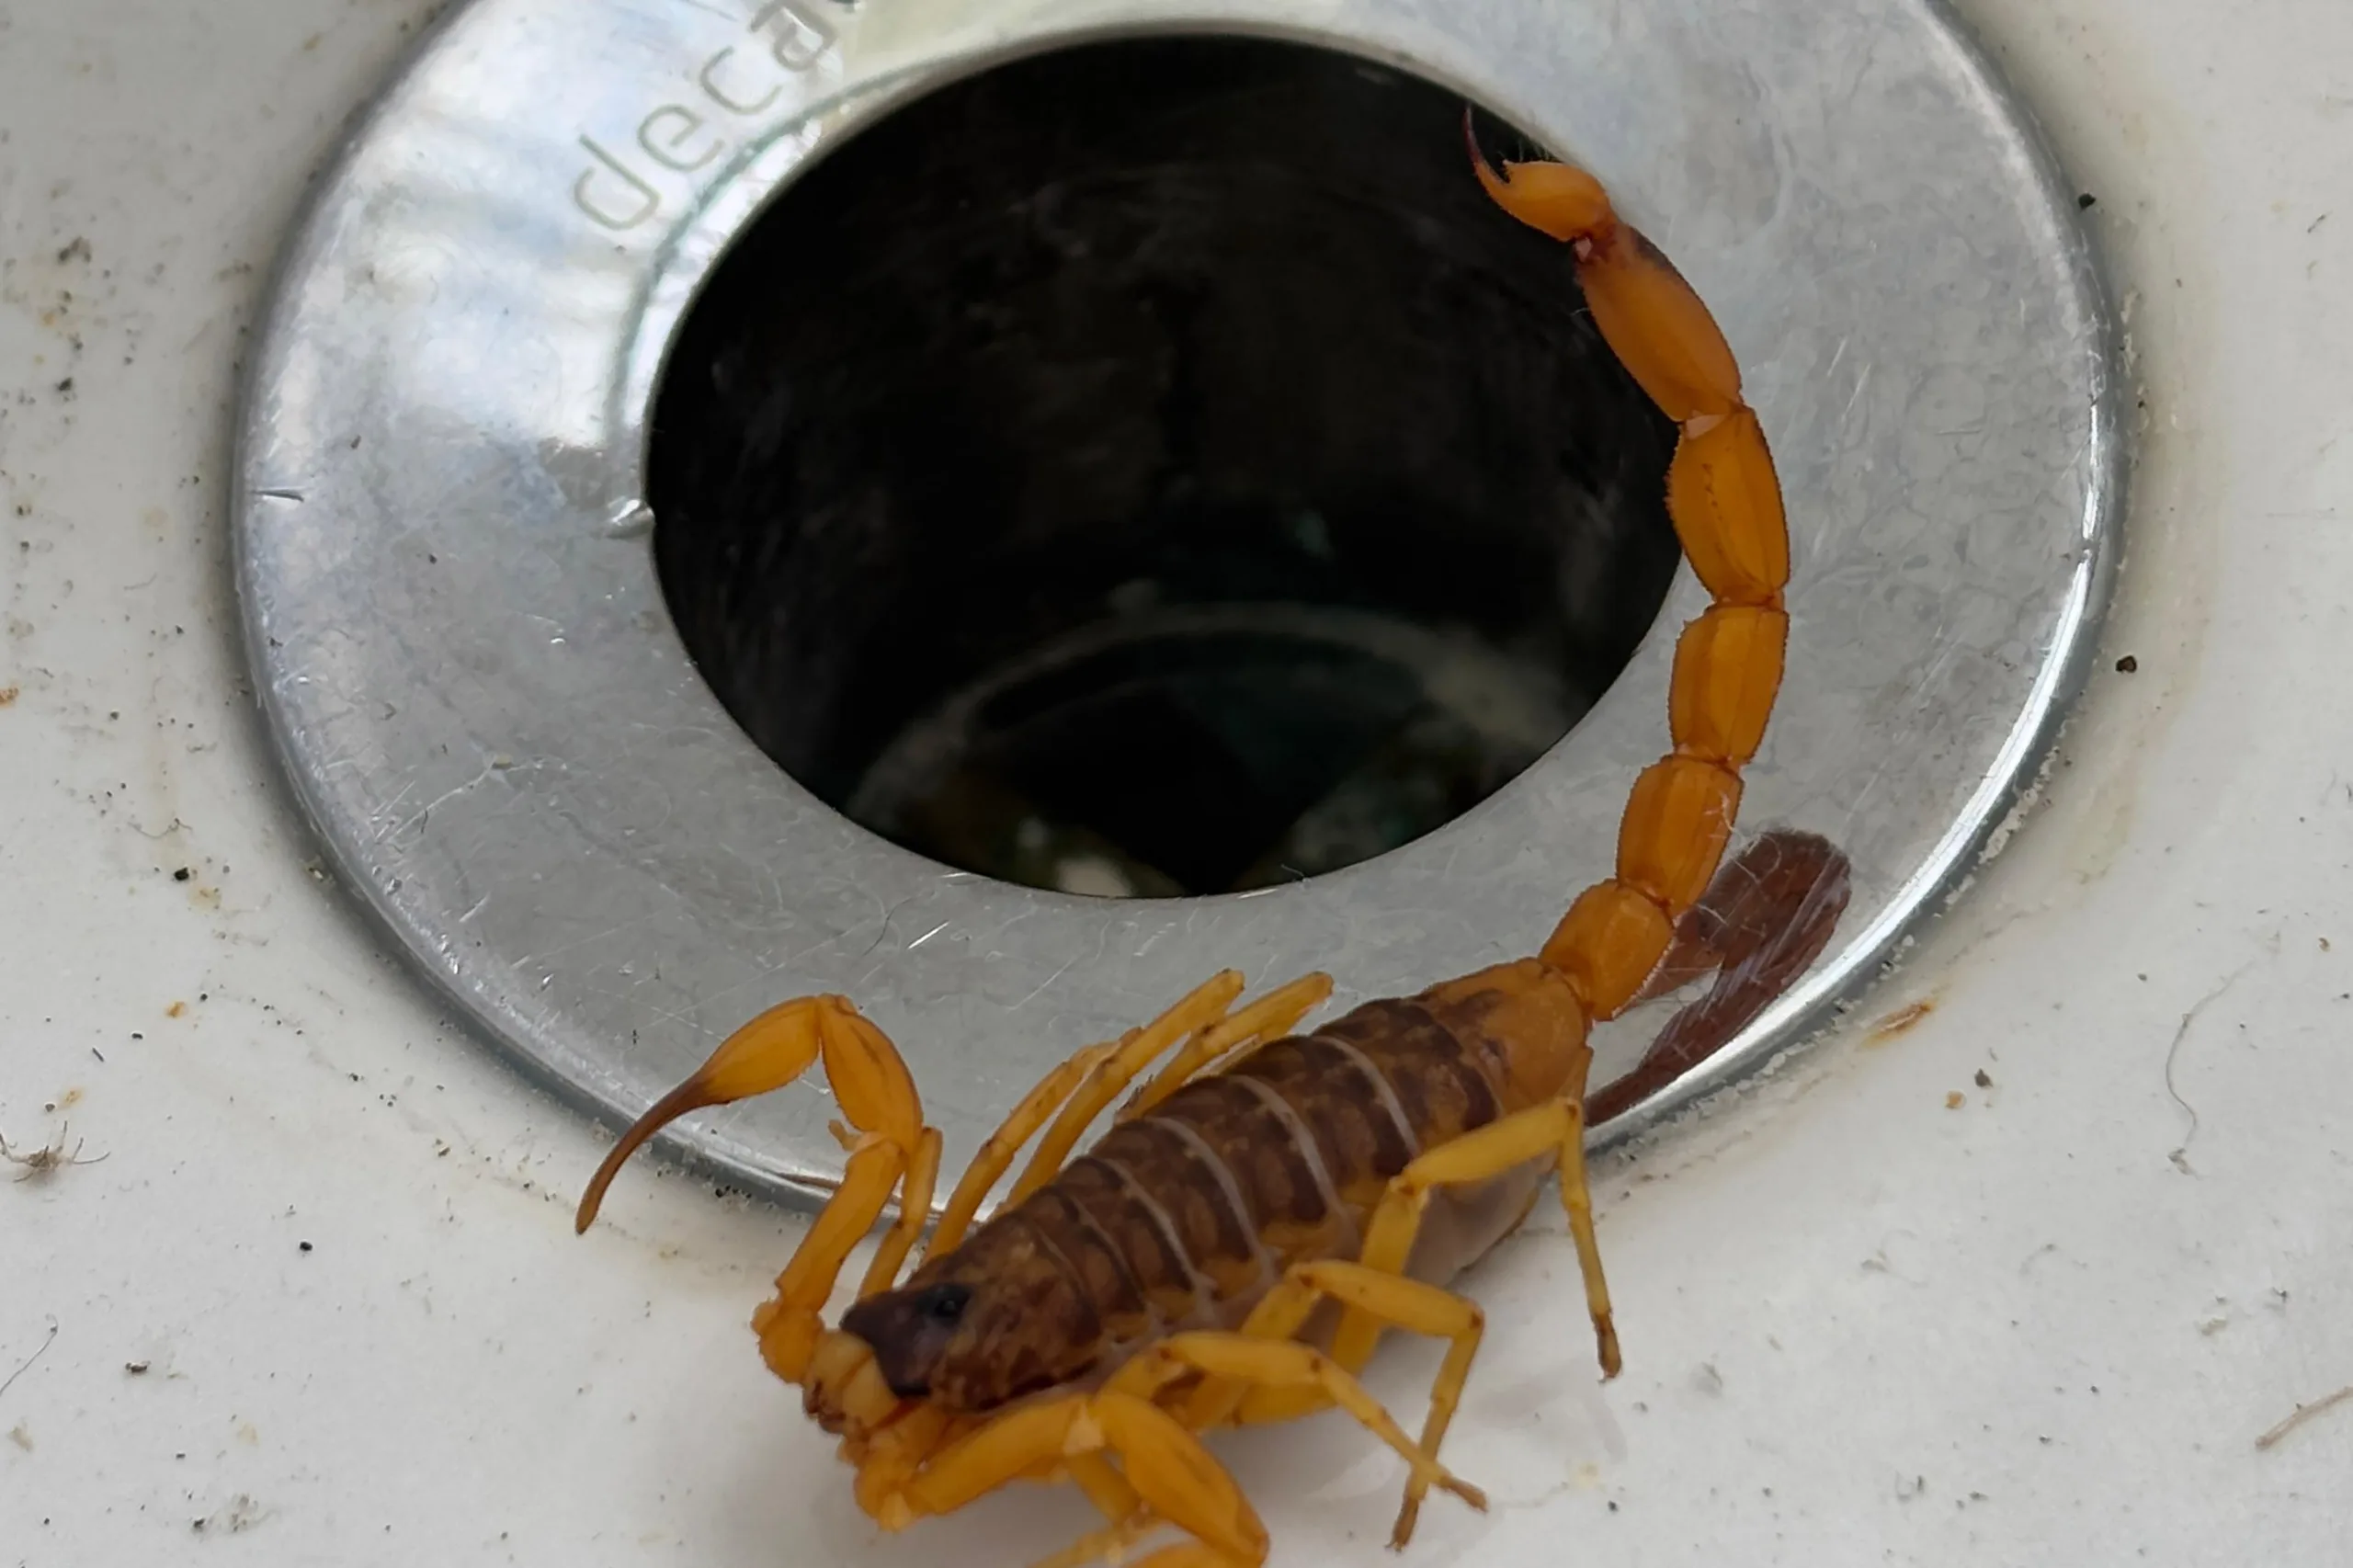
point(2085, 202)
point(306, 1246)
point(2126, 665)
point(1985, 1079)
point(136, 1369)
point(183, 874)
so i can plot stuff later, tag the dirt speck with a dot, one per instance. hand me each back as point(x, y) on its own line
point(9, 695)
point(1955, 1100)
point(1984, 1080)
point(26, 1364)
point(21, 1436)
point(1899, 1021)
point(176, 1010)
point(46, 1161)
point(136, 1368)
point(2179, 1158)
point(239, 1513)
point(2302, 1414)
point(2126, 665)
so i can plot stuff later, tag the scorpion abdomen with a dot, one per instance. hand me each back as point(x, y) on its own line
point(1186, 1216)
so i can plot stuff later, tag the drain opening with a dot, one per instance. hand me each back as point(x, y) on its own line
point(1152, 468)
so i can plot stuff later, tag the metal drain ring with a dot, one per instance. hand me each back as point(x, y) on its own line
point(489, 718)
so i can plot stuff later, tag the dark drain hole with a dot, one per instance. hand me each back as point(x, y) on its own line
point(1152, 469)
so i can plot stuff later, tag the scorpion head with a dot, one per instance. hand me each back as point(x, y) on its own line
point(912, 1332)
point(990, 1322)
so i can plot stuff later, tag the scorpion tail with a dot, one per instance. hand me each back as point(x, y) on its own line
point(1725, 502)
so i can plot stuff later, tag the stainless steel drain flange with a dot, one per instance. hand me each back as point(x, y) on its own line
point(445, 518)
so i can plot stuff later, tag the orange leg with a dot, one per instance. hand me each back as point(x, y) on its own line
point(1269, 1018)
point(1553, 1132)
point(1201, 1016)
point(1053, 1091)
point(1389, 1299)
point(1079, 1088)
point(1198, 1011)
point(1725, 502)
point(1260, 1375)
point(1164, 1475)
point(1163, 1468)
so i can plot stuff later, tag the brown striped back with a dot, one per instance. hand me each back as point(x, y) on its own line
point(1208, 1199)
point(1186, 1216)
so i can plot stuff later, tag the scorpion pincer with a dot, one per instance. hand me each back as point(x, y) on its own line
point(1269, 1203)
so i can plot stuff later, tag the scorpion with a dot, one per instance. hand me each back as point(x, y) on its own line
point(1269, 1204)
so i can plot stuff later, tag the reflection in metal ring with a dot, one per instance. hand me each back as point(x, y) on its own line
point(464, 651)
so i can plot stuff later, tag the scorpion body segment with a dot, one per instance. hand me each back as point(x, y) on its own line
point(1184, 1218)
point(1270, 1203)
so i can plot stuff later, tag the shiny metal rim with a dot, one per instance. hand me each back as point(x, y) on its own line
point(493, 726)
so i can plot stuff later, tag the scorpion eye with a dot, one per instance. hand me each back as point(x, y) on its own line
point(944, 1303)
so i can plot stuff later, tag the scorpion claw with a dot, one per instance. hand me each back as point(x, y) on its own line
point(766, 1053)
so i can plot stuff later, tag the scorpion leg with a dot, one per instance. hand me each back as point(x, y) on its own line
point(1269, 1018)
point(1203, 1007)
point(914, 1207)
point(1086, 1073)
point(890, 1142)
point(1554, 1130)
point(1297, 1380)
point(1199, 1013)
point(1172, 1478)
point(1390, 1299)
point(996, 1154)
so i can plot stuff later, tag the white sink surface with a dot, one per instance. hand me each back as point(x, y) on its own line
point(2048, 1327)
